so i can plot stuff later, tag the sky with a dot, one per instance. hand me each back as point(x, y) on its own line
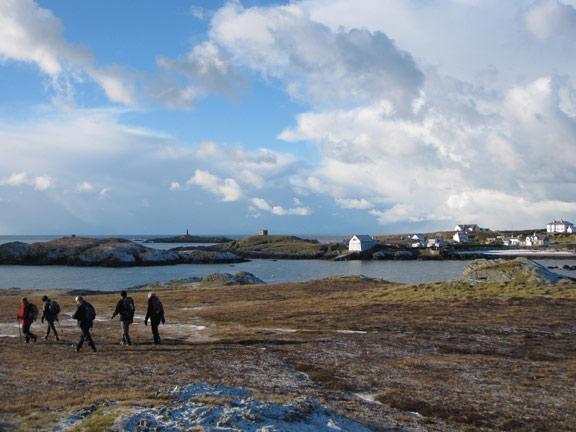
point(304, 116)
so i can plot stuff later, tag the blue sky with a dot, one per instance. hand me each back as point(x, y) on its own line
point(310, 116)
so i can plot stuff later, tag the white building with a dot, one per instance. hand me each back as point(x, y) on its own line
point(469, 228)
point(461, 237)
point(436, 243)
point(536, 240)
point(560, 226)
point(360, 243)
point(512, 242)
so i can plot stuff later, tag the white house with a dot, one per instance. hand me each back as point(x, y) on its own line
point(436, 243)
point(460, 237)
point(560, 226)
point(469, 228)
point(536, 240)
point(417, 237)
point(512, 242)
point(360, 243)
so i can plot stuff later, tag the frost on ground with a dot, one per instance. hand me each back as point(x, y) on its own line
point(220, 408)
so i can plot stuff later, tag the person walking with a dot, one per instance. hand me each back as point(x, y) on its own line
point(125, 308)
point(155, 313)
point(28, 314)
point(50, 312)
point(85, 315)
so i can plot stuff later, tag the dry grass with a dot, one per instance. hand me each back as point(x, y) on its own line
point(485, 362)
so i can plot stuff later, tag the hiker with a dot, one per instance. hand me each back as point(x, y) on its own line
point(156, 314)
point(125, 307)
point(50, 312)
point(85, 315)
point(27, 317)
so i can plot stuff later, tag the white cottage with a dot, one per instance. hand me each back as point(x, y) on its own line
point(536, 240)
point(460, 237)
point(360, 243)
point(560, 226)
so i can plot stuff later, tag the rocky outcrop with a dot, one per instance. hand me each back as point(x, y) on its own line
point(111, 252)
point(278, 247)
point(241, 278)
point(204, 407)
point(500, 270)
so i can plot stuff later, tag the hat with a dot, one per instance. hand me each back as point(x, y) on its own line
point(123, 293)
point(44, 298)
point(24, 300)
point(151, 294)
point(79, 298)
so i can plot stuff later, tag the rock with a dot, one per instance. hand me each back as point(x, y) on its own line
point(241, 278)
point(111, 252)
point(500, 270)
point(204, 407)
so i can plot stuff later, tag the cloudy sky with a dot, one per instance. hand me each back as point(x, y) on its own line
point(304, 116)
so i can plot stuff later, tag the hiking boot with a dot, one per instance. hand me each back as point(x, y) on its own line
point(93, 348)
point(76, 348)
point(46, 337)
point(57, 338)
point(34, 339)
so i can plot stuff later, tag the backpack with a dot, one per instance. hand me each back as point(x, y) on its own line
point(157, 306)
point(53, 308)
point(129, 308)
point(32, 312)
point(90, 312)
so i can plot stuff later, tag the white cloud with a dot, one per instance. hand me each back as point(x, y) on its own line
point(228, 189)
point(263, 205)
point(40, 183)
point(451, 160)
point(359, 204)
point(84, 187)
point(104, 193)
point(29, 33)
point(175, 186)
point(15, 179)
point(545, 18)
point(208, 69)
point(43, 182)
point(317, 64)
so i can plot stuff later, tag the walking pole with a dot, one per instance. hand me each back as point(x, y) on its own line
point(60, 325)
point(19, 331)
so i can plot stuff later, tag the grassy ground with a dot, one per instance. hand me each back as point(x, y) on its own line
point(394, 357)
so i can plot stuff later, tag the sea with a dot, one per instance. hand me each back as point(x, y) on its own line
point(270, 271)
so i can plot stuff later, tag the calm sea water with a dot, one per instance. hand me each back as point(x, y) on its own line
point(271, 271)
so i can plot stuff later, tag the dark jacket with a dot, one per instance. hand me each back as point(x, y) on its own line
point(46, 314)
point(151, 313)
point(122, 308)
point(81, 315)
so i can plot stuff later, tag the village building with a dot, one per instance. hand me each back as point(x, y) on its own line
point(514, 241)
point(460, 237)
point(469, 228)
point(436, 243)
point(361, 243)
point(560, 226)
point(536, 240)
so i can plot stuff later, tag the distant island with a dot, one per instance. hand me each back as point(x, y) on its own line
point(187, 238)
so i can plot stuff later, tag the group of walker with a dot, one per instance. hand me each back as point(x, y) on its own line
point(85, 314)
